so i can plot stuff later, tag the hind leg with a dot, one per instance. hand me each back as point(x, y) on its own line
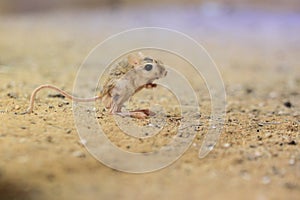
point(117, 106)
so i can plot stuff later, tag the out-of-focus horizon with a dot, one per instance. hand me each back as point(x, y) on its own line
point(255, 27)
point(25, 6)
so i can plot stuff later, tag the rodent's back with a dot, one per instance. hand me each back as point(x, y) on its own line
point(115, 73)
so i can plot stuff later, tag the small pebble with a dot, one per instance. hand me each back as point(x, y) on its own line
point(287, 104)
point(280, 112)
point(49, 139)
point(151, 125)
point(89, 110)
point(257, 154)
point(293, 142)
point(268, 135)
point(12, 95)
point(83, 141)
point(273, 95)
point(78, 154)
point(226, 145)
point(245, 175)
point(281, 144)
point(56, 96)
point(69, 131)
point(291, 186)
point(260, 124)
point(292, 161)
point(276, 171)
point(50, 177)
point(266, 180)
point(261, 104)
point(60, 105)
point(17, 107)
point(249, 90)
point(10, 85)
point(197, 128)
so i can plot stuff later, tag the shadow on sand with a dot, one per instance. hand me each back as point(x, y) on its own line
point(17, 191)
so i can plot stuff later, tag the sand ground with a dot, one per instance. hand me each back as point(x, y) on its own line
point(257, 155)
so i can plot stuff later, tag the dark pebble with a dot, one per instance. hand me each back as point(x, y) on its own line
point(291, 186)
point(56, 96)
point(197, 128)
point(249, 90)
point(12, 95)
point(259, 138)
point(238, 161)
point(50, 177)
point(287, 104)
point(260, 124)
point(293, 142)
point(49, 139)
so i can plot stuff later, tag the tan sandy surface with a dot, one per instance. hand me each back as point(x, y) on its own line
point(42, 157)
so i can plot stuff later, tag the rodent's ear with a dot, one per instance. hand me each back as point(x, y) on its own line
point(141, 55)
point(134, 59)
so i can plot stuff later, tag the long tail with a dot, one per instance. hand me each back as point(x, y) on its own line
point(32, 98)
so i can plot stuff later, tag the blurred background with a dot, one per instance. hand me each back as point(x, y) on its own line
point(263, 32)
point(13, 6)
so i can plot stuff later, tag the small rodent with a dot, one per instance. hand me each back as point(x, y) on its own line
point(129, 76)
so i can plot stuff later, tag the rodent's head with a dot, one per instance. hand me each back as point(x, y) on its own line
point(152, 68)
point(146, 68)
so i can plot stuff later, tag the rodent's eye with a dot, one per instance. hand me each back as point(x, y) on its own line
point(148, 67)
